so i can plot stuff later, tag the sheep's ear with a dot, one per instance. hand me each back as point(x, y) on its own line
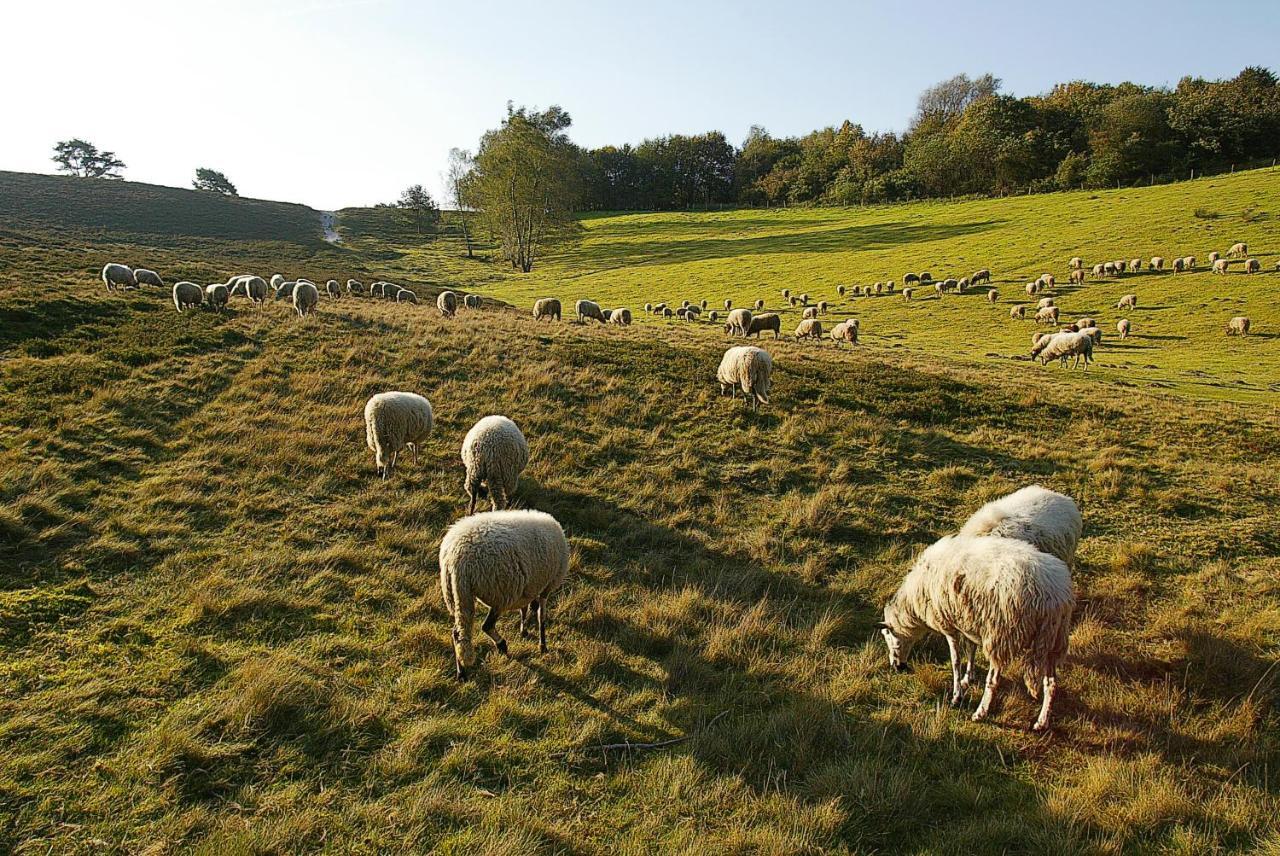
point(880, 625)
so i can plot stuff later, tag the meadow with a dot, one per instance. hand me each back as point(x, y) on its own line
point(221, 633)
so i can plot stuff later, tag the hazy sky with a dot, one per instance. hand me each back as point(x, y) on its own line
point(346, 102)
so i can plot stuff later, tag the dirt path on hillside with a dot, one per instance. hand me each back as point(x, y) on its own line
point(328, 221)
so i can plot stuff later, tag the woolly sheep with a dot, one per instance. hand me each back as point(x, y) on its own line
point(1076, 263)
point(472, 301)
point(148, 277)
point(1045, 519)
point(1043, 302)
point(682, 313)
point(1190, 262)
point(1031, 288)
point(621, 317)
point(648, 308)
point(237, 286)
point(840, 290)
point(907, 292)
point(822, 307)
point(116, 275)
point(305, 298)
point(1018, 311)
point(1122, 327)
point(607, 313)
point(1157, 263)
point(404, 295)
point(1121, 265)
point(810, 312)
point(765, 321)
point(750, 368)
point(666, 312)
point(1252, 266)
point(355, 287)
point(255, 288)
point(1085, 322)
point(1135, 265)
point(546, 307)
point(926, 277)
point(394, 421)
point(1238, 326)
point(285, 289)
point(1214, 256)
point(1110, 269)
point(217, 295)
point(1060, 346)
point(1001, 593)
point(993, 296)
point(1047, 315)
point(1179, 265)
point(391, 291)
point(1239, 250)
point(702, 305)
point(728, 304)
point(983, 275)
point(809, 328)
point(375, 290)
point(786, 294)
point(1129, 301)
point(1076, 277)
point(793, 300)
point(804, 298)
point(588, 309)
point(694, 310)
point(509, 560)
point(910, 277)
point(713, 316)
point(1220, 266)
point(1093, 333)
point(738, 322)
point(1099, 270)
point(187, 294)
point(658, 308)
point(845, 331)
point(332, 289)
point(494, 453)
point(760, 304)
point(961, 284)
point(888, 286)
point(447, 304)
point(277, 280)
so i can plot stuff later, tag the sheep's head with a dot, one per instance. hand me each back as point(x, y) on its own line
point(464, 653)
point(897, 637)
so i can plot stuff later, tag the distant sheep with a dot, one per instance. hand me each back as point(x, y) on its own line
point(809, 328)
point(738, 322)
point(1092, 332)
point(983, 275)
point(713, 316)
point(765, 321)
point(993, 296)
point(217, 295)
point(404, 295)
point(494, 453)
point(845, 331)
point(447, 304)
point(255, 288)
point(1045, 519)
point(810, 312)
point(1099, 270)
point(1062, 346)
point(907, 293)
point(1220, 266)
point(285, 289)
point(1077, 277)
point(1157, 263)
point(1085, 322)
point(1019, 312)
point(1047, 315)
point(1129, 301)
point(546, 307)
point(118, 276)
point(1239, 250)
point(620, 317)
point(333, 289)
point(759, 304)
point(840, 290)
point(1238, 326)
point(1252, 266)
point(786, 294)
point(910, 278)
point(588, 309)
point(1179, 265)
point(305, 298)
point(1044, 301)
point(1031, 288)
point(355, 288)
point(1076, 263)
point(702, 305)
point(148, 277)
point(749, 368)
point(1122, 327)
point(1214, 256)
point(277, 280)
point(472, 301)
point(888, 286)
point(822, 307)
point(187, 295)
point(394, 421)
point(728, 304)
point(1135, 265)
point(1001, 593)
point(1189, 263)
point(648, 308)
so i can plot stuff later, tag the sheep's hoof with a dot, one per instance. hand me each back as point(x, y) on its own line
point(956, 700)
point(502, 648)
point(979, 715)
point(1040, 727)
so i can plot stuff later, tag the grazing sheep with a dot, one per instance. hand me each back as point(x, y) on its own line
point(907, 292)
point(666, 312)
point(888, 286)
point(1099, 270)
point(1135, 265)
point(809, 312)
point(1045, 519)
point(1076, 277)
point(750, 368)
point(809, 328)
point(333, 289)
point(659, 308)
point(713, 316)
point(1157, 263)
point(1252, 266)
point(472, 301)
point(926, 277)
point(355, 288)
point(1122, 327)
point(394, 421)
point(1239, 250)
point(760, 304)
point(118, 276)
point(391, 291)
point(793, 300)
point(404, 295)
point(822, 305)
point(961, 284)
point(1122, 266)
point(1190, 262)
point(546, 307)
point(1060, 346)
point(187, 295)
point(983, 275)
point(217, 295)
point(693, 311)
point(1037, 338)
point(1238, 326)
point(1076, 263)
point(1044, 301)
point(1179, 265)
point(1085, 322)
point(1001, 593)
point(255, 288)
point(148, 277)
point(993, 296)
point(621, 317)
point(950, 285)
point(804, 298)
point(1019, 312)
point(305, 298)
point(1110, 269)
point(277, 280)
point(1092, 332)
point(237, 285)
point(845, 331)
point(447, 303)
point(1214, 256)
point(494, 453)
point(728, 304)
point(682, 313)
point(285, 289)
point(765, 321)
point(1047, 315)
point(375, 290)
point(648, 308)
point(738, 322)
point(1129, 301)
point(1220, 266)
point(786, 294)
point(684, 304)
point(909, 278)
point(508, 560)
point(840, 290)
point(702, 305)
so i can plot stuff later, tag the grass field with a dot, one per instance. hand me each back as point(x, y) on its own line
point(222, 634)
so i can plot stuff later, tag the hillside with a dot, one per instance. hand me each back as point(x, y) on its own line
point(221, 633)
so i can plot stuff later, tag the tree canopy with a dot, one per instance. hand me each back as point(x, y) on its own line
point(213, 180)
point(82, 158)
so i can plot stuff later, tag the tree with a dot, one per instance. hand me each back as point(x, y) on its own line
point(945, 101)
point(525, 182)
point(211, 179)
point(418, 202)
point(456, 185)
point(83, 159)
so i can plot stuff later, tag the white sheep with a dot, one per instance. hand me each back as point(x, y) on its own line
point(1157, 263)
point(1061, 346)
point(447, 303)
point(1018, 312)
point(217, 295)
point(277, 280)
point(983, 275)
point(148, 277)
point(907, 292)
point(760, 304)
point(1214, 256)
point(1045, 519)
point(187, 295)
point(1081, 323)
point(728, 304)
point(1220, 266)
point(116, 275)
point(1238, 326)
point(472, 301)
point(750, 368)
point(809, 312)
point(509, 560)
point(546, 307)
point(404, 295)
point(809, 328)
point(1238, 250)
point(394, 421)
point(1044, 301)
point(1122, 327)
point(1252, 266)
point(1179, 265)
point(845, 331)
point(285, 289)
point(589, 309)
point(765, 321)
point(1076, 263)
point(622, 317)
point(305, 298)
point(1047, 315)
point(494, 453)
point(355, 287)
point(993, 296)
point(333, 289)
point(738, 322)
point(1129, 301)
point(1092, 332)
point(1076, 277)
point(255, 288)
point(1001, 593)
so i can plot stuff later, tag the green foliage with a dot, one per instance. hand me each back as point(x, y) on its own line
point(82, 159)
point(422, 209)
point(212, 180)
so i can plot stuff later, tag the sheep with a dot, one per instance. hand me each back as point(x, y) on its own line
point(1044, 301)
point(693, 311)
point(659, 308)
point(1076, 263)
point(391, 291)
point(1076, 277)
point(546, 307)
point(1135, 265)
point(255, 288)
point(1238, 326)
point(355, 288)
point(237, 286)
point(845, 331)
point(216, 295)
point(950, 284)
point(1045, 519)
point(494, 453)
point(728, 304)
point(993, 296)
point(1214, 256)
point(840, 290)
point(148, 277)
point(702, 305)
point(1018, 312)
point(760, 304)
point(910, 277)
point(684, 304)
point(1092, 332)
point(822, 306)
point(1031, 288)
point(1157, 263)
point(983, 275)
point(682, 313)
point(607, 313)
point(116, 275)
point(1121, 266)
point(333, 289)
point(1220, 266)
point(765, 321)
point(621, 317)
point(888, 287)
point(809, 328)
point(648, 308)
point(447, 304)
point(1036, 338)
point(738, 322)
point(1190, 262)
point(809, 312)
point(793, 300)
point(961, 284)
point(1179, 265)
point(804, 298)
point(1110, 269)
point(1129, 301)
point(277, 280)
point(1099, 270)
point(375, 290)
point(750, 368)
point(305, 298)
point(926, 277)
point(1063, 345)
point(1001, 593)
point(713, 316)
point(1252, 266)
point(187, 294)
point(666, 312)
point(472, 301)
point(1047, 315)
point(1238, 250)
point(1122, 327)
point(907, 292)
point(509, 560)
point(588, 309)
point(404, 295)
point(1086, 322)
point(786, 294)
point(394, 421)
point(285, 289)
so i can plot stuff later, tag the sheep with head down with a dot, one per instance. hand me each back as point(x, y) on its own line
point(738, 322)
point(216, 296)
point(588, 309)
point(394, 421)
point(765, 321)
point(1062, 346)
point(494, 453)
point(187, 295)
point(749, 368)
point(1252, 266)
point(305, 298)
point(118, 276)
point(546, 307)
point(1122, 327)
point(1129, 301)
point(148, 277)
point(845, 331)
point(621, 317)
point(1238, 326)
point(472, 301)
point(809, 328)
point(447, 304)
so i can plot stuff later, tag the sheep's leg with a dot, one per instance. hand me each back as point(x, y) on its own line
point(490, 627)
point(542, 624)
point(969, 649)
point(463, 627)
point(471, 492)
point(954, 647)
point(1050, 682)
point(989, 694)
point(413, 447)
point(524, 619)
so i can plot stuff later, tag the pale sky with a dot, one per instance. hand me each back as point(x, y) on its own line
point(345, 102)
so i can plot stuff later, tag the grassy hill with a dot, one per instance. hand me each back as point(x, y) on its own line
point(220, 633)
